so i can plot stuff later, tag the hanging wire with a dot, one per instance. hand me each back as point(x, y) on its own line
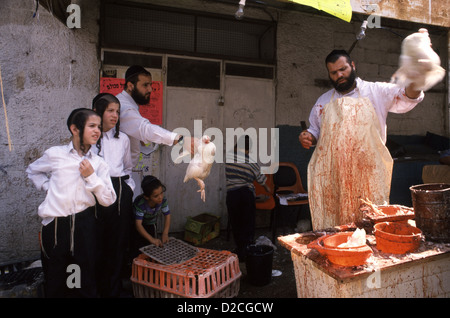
point(6, 115)
point(37, 8)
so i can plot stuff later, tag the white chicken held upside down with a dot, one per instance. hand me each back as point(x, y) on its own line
point(419, 64)
point(201, 162)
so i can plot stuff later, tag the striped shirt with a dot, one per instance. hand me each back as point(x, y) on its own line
point(146, 213)
point(242, 174)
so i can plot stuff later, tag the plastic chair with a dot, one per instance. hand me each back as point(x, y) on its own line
point(269, 202)
point(287, 181)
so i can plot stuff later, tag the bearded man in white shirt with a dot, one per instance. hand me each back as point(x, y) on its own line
point(137, 91)
point(348, 128)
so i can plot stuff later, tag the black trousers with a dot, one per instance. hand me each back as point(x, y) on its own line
point(242, 212)
point(57, 239)
point(113, 234)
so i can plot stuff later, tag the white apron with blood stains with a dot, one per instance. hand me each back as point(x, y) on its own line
point(350, 162)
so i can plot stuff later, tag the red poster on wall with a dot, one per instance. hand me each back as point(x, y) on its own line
point(152, 111)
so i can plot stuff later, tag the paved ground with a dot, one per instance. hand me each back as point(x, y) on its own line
point(282, 286)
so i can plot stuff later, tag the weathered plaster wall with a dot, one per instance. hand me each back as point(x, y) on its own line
point(47, 70)
point(435, 12)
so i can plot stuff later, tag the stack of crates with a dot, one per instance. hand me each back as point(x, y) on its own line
point(209, 274)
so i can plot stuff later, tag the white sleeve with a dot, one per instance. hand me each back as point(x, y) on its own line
point(100, 184)
point(38, 171)
point(315, 120)
point(136, 126)
point(156, 134)
point(395, 99)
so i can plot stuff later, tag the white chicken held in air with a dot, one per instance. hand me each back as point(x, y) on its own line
point(419, 64)
point(200, 165)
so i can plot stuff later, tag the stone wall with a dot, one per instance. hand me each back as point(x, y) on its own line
point(47, 70)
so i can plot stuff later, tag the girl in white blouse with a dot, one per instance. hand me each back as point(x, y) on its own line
point(74, 178)
point(113, 222)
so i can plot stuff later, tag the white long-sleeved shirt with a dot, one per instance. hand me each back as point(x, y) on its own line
point(57, 172)
point(139, 128)
point(385, 97)
point(116, 153)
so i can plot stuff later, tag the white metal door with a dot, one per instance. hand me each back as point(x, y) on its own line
point(250, 105)
point(184, 106)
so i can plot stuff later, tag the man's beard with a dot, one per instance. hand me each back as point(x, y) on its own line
point(139, 98)
point(343, 87)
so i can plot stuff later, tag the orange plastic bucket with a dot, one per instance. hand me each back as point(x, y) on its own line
point(397, 238)
point(348, 256)
point(337, 239)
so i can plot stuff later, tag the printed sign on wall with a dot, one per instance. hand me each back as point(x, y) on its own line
point(152, 111)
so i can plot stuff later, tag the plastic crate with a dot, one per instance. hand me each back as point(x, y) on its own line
point(201, 228)
point(173, 252)
point(210, 274)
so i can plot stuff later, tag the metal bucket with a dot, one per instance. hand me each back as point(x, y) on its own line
point(431, 204)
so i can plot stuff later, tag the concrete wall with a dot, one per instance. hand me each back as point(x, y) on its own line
point(49, 69)
point(422, 11)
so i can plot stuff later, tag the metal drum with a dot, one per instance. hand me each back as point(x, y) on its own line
point(431, 204)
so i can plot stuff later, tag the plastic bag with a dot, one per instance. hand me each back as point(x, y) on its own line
point(264, 240)
point(357, 239)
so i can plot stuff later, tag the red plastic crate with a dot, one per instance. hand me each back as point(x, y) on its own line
point(209, 274)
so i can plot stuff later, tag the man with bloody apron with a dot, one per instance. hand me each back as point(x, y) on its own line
point(348, 128)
